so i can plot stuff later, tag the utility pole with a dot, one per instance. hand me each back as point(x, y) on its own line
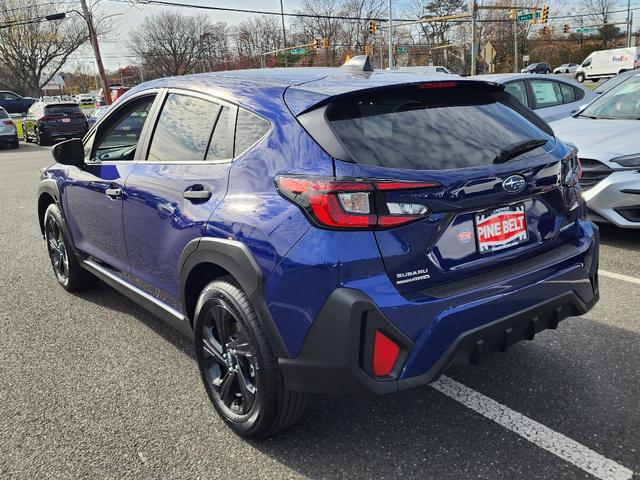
point(515, 41)
point(474, 35)
point(390, 36)
point(284, 35)
point(628, 23)
point(106, 91)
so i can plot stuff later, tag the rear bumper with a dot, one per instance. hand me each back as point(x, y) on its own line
point(337, 352)
point(9, 139)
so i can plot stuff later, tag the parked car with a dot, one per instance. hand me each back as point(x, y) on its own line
point(47, 122)
point(539, 67)
point(96, 114)
point(566, 68)
point(14, 103)
point(300, 225)
point(116, 92)
point(613, 81)
point(8, 131)
point(608, 63)
point(85, 99)
point(551, 98)
point(606, 133)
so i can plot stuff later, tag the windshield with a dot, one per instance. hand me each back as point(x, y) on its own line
point(426, 128)
point(60, 109)
point(621, 102)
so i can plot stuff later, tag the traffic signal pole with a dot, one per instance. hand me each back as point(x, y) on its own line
point(515, 44)
point(390, 37)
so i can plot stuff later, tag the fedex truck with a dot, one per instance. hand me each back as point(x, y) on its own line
point(608, 63)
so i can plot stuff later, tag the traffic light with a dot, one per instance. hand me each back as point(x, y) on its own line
point(545, 14)
point(368, 49)
point(325, 43)
point(512, 14)
point(534, 20)
point(318, 40)
point(544, 31)
point(565, 28)
point(373, 26)
point(553, 29)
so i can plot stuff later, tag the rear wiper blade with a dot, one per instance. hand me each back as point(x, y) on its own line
point(516, 149)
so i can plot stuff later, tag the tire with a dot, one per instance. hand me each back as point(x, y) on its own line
point(66, 267)
point(595, 80)
point(580, 77)
point(40, 140)
point(239, 371)
point(25, 135)
point(547, 72)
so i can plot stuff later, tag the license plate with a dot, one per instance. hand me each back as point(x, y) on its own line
point(66, 120)
point(501, 228)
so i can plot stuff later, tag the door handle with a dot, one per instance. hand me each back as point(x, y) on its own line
point(197, 192)
point(113, 192)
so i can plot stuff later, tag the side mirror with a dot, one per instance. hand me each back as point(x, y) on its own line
point(69, 152)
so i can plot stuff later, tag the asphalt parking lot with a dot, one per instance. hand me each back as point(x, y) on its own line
point(95, 387)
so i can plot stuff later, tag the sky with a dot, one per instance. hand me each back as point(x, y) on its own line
point(115, 50)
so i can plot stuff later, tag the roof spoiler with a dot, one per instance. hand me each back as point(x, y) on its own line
point(360, 63)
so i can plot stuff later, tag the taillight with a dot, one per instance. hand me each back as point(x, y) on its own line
point(352, 203)
point(571, 171)
point(8, 122)
point(46, 118)
point(385, 354)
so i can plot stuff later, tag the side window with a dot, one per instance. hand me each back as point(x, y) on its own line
point(518, 90)
point(568, 93)
point(587, 62)
point(118, 138)
point(546, 93)
point(440, 70)
point(220, 146)
point(249, 129)
point(183, 130)
point(10, 96)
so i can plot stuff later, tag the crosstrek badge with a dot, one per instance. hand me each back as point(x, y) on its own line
point(501, 228)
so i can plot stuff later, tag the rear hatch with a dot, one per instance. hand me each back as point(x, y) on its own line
point(64, 117)
point(492, 193)
point(7, 127)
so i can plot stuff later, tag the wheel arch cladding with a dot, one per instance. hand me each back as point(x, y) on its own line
point(47, 194)
point(204, 259)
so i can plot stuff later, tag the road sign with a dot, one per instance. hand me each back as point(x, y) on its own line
point(298, 51)
point(586, 29)
point(525, 58)
point(527, 16)
point(401, 50)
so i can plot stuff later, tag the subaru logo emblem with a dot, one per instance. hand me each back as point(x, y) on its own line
point(514, 184)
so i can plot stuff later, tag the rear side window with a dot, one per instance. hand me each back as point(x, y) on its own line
point(220, 146)
point(429, 128)
point(518, 90)
point(568, 93)
point(3, 113)
point(249, 129)
point(61, 109)
point(183, 130)
point(546, 93)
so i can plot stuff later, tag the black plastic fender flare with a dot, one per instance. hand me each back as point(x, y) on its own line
point(234, 257)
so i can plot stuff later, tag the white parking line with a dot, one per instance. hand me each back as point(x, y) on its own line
point(619, 276)
point(554, 442)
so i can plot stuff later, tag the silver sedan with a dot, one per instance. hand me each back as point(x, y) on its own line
point(551, 98)
point(607, 134)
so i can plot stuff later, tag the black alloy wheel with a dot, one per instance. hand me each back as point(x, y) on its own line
point(58, 252)
point(230, 365)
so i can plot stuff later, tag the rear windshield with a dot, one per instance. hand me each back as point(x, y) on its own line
point(3, 113)
point(60, 109)
point(427, 128)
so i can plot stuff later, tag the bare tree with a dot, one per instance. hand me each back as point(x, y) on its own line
point(255, 36)
point(32, 53)
point(600, 13)
point(171, 43)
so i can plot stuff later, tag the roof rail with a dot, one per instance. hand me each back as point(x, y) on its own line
point(359, 62)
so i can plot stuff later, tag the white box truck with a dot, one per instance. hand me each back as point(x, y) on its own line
point(608, 63)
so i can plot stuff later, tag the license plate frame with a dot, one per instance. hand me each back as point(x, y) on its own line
point(490, 225)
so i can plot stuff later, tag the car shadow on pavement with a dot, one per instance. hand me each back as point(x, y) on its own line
point(626, 238)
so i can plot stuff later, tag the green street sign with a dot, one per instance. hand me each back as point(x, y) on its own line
point(298, 51)
point(401, 50)
point(525, 16)
point(586, 29)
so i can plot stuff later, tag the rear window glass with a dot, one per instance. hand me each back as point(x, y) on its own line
point(3, 113)
point(432, 128)
point(60, 109)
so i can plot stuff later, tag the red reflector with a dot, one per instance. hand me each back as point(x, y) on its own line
point(425, 86)
point(385, 354)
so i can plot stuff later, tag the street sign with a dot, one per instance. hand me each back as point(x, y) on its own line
point(298, 51)
point(586, 29)
point(525, 58)
point(527, 16)
point(401, 50)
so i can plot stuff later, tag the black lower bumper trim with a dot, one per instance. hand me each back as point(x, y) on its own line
point(332, 358)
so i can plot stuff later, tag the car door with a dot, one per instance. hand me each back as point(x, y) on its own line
point(172, 193)
point(94, 192)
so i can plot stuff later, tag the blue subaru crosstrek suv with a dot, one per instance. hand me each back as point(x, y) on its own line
point(324, 230)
